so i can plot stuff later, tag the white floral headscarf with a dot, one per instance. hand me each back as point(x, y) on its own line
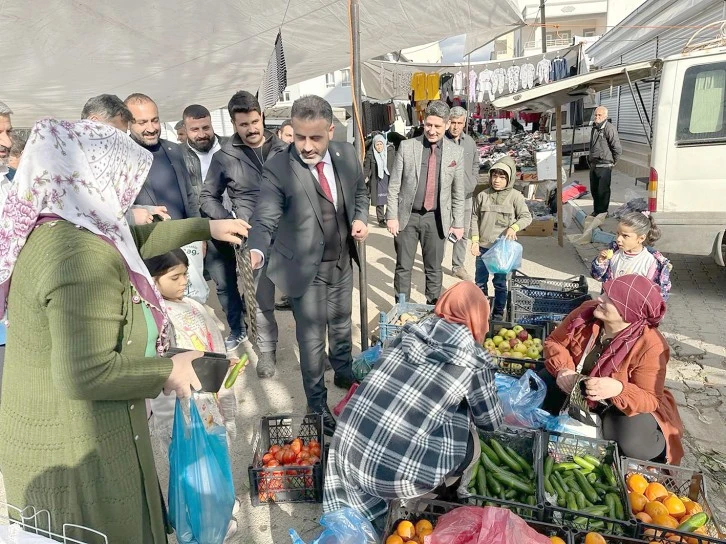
point(89, 174)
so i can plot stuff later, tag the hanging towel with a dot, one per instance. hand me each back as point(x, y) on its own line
point(275, 79)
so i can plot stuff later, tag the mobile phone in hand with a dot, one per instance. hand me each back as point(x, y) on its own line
point(452, 238)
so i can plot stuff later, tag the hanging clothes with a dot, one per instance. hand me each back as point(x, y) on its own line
point(459, 83)
point(275, 79)
point(513, 79)
point(473, 79)
point(526, 76)
point(501, 77)
point(486, 89)
point(543, 71)
point(559, 69)
point(433, 86)
point(405, 82)
point(447, 86)
point(418, 85)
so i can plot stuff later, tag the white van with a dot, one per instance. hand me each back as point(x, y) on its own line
point(687, 187)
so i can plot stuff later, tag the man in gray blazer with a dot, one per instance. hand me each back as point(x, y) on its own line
point(313, 203)
point(456, 134)
point(426, 201)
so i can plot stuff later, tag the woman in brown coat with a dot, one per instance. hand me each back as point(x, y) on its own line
point(615, 341)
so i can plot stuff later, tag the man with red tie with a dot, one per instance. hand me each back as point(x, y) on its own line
point(313, 203)
point(426, 201)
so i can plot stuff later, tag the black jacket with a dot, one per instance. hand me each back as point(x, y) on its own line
point(191, 200)
point(288, 212)
point(605, 148)
point(194, 167)
point(370, 170)
point(233, 171)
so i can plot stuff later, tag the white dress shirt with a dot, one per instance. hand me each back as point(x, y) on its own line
point(205, 159)
point(329, 172)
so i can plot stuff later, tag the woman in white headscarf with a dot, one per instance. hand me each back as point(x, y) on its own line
point(377, 170)
point(86, 326)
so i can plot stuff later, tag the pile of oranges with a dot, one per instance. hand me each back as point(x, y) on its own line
point(652, 503)
point(407, 531)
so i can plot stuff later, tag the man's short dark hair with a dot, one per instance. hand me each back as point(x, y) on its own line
point(285, 123)
point(179, 125)
point(312, 107)
point(195, 111)
point(106, 107)
point(138, 98)
point(243, 102)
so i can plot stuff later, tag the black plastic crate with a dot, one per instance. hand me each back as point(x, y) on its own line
point(550, 327)
point(684, 482)
point(562, 447)
point(579, 538)
point(511, 365)
point(525, 309)
point(431, 510)
point(387, 327)
point(528, 444)
point(290, 483)
point(569, 288)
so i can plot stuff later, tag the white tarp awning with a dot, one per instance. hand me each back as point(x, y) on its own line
point(564, 91)
point(57, 54)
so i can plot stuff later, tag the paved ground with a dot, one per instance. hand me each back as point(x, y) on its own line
point(696, 373)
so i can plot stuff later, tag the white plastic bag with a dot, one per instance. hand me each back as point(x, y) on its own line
point(197, 287)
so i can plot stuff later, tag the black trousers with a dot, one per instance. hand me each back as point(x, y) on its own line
point(600, 188)
point(381, 214)
point(221, 264)
point(325, 307)
point(426, 229)
point(637, 436)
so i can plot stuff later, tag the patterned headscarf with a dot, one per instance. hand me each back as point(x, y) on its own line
point(88, 174)
point(464, 303)
point(640, 304)
point(381, 156)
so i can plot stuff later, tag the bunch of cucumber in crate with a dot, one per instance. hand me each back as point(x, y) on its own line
point(586, 486)
point(504, 474)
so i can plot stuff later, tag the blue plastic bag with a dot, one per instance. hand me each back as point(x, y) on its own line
point(503, 257)
point(522, 400)
point(345, 526)
point(201, 492)
point(363, 363)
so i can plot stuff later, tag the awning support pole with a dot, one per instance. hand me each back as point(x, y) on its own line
point(560, 226)
point(646, 130)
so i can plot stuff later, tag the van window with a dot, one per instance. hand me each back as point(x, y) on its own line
point(703, 105)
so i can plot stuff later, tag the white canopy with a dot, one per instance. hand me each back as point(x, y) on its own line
point(55, 55)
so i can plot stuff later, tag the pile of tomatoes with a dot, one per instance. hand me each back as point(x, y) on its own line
point(296, 453)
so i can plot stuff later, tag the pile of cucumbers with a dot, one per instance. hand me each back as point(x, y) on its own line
point(502, 473)
point(587, 486)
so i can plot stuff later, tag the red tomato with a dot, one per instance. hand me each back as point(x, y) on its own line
point(267, 457)
point(288, 456)
point(273, 463)
point(314, 460)
point(274, 449)
point(313, 443)
point(315, 451)
point(279, 454)
point(296, 445)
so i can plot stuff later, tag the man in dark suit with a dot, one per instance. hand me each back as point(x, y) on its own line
point(168, 182)
point(314, 203)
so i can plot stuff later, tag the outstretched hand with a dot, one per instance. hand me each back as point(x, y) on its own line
point(229, 230)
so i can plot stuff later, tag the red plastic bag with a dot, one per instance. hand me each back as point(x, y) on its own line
point(489, 525)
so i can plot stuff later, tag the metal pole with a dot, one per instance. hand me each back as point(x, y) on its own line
point(560, 226)
point(358, 143)
point(572, 121)
point(544, 28)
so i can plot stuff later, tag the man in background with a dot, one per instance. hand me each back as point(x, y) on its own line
point(286, 132)
point(456, 134)
point(605, 150)
point(181, 133)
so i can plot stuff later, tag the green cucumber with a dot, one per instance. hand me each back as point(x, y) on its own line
point(612, 513)
point(561, 481)
point(597, 510)
point(580, 498)
point(548, 465)
point(531, 500)
point(474, 472)
point(504, 456)
point(572, 502)
point(693, 523)
point(510, 494)
point(619, 510)
point(481, 483)
point(602, 488)
point(487, 463)
point(584, 464)
point(521, 461)
point(560, 467)
point(548, 486)
point(592, 477)
point(494, 486)
point(493, 457)
point(592, 460)
point(513, 483)
point(236, 369)
point(609, 475)
point(585, 487)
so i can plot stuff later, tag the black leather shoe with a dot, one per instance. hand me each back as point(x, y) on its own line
point(343, 381)
point(328, 419)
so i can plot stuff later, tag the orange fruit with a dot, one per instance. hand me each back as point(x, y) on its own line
point(655, 490)
point(556, 540)
point(675, 506)
point(394, 539)
point(637, 482)
point(424, 527)
point(665, 521)
point(594, 538)
point(700, 531)
point(692, 507)
point(645, 518)
point(406, 529)
point(637, 501)
point(655, 509)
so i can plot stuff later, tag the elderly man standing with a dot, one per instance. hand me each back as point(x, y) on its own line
point(456, 134)
point(605, 150)
point(426, 201)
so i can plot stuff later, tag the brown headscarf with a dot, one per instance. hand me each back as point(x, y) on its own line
point(464, 303)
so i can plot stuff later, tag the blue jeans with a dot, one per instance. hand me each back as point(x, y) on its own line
point(481, 277)
point(221, 264)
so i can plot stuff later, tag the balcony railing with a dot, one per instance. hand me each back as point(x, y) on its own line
point(559, 42)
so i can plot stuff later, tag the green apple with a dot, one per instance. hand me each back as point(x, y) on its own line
point(533, 353)
point(520, 348)
point(517, 328)
point(529, 337)
point(510, 334)
point(528, 343)
point(497, 340)
point(516, 355)
point(537, 341)
point(502, 332)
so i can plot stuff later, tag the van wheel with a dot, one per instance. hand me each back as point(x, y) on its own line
point(719, 249)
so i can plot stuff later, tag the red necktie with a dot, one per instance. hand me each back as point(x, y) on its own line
point(324, 181)
point(430, 198)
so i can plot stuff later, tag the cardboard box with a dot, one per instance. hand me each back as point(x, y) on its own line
point(539, 228)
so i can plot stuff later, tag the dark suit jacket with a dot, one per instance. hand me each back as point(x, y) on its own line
point(288, 211)
point(189, 196)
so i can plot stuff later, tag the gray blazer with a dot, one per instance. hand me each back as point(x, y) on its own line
point(288, 211)
point(404, 182)
point(471, 162)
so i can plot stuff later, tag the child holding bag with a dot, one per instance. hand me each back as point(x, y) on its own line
point(498, 210)
point(631, 253)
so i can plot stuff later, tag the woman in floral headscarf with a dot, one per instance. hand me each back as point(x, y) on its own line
point(615, 341)
point(85, 328)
